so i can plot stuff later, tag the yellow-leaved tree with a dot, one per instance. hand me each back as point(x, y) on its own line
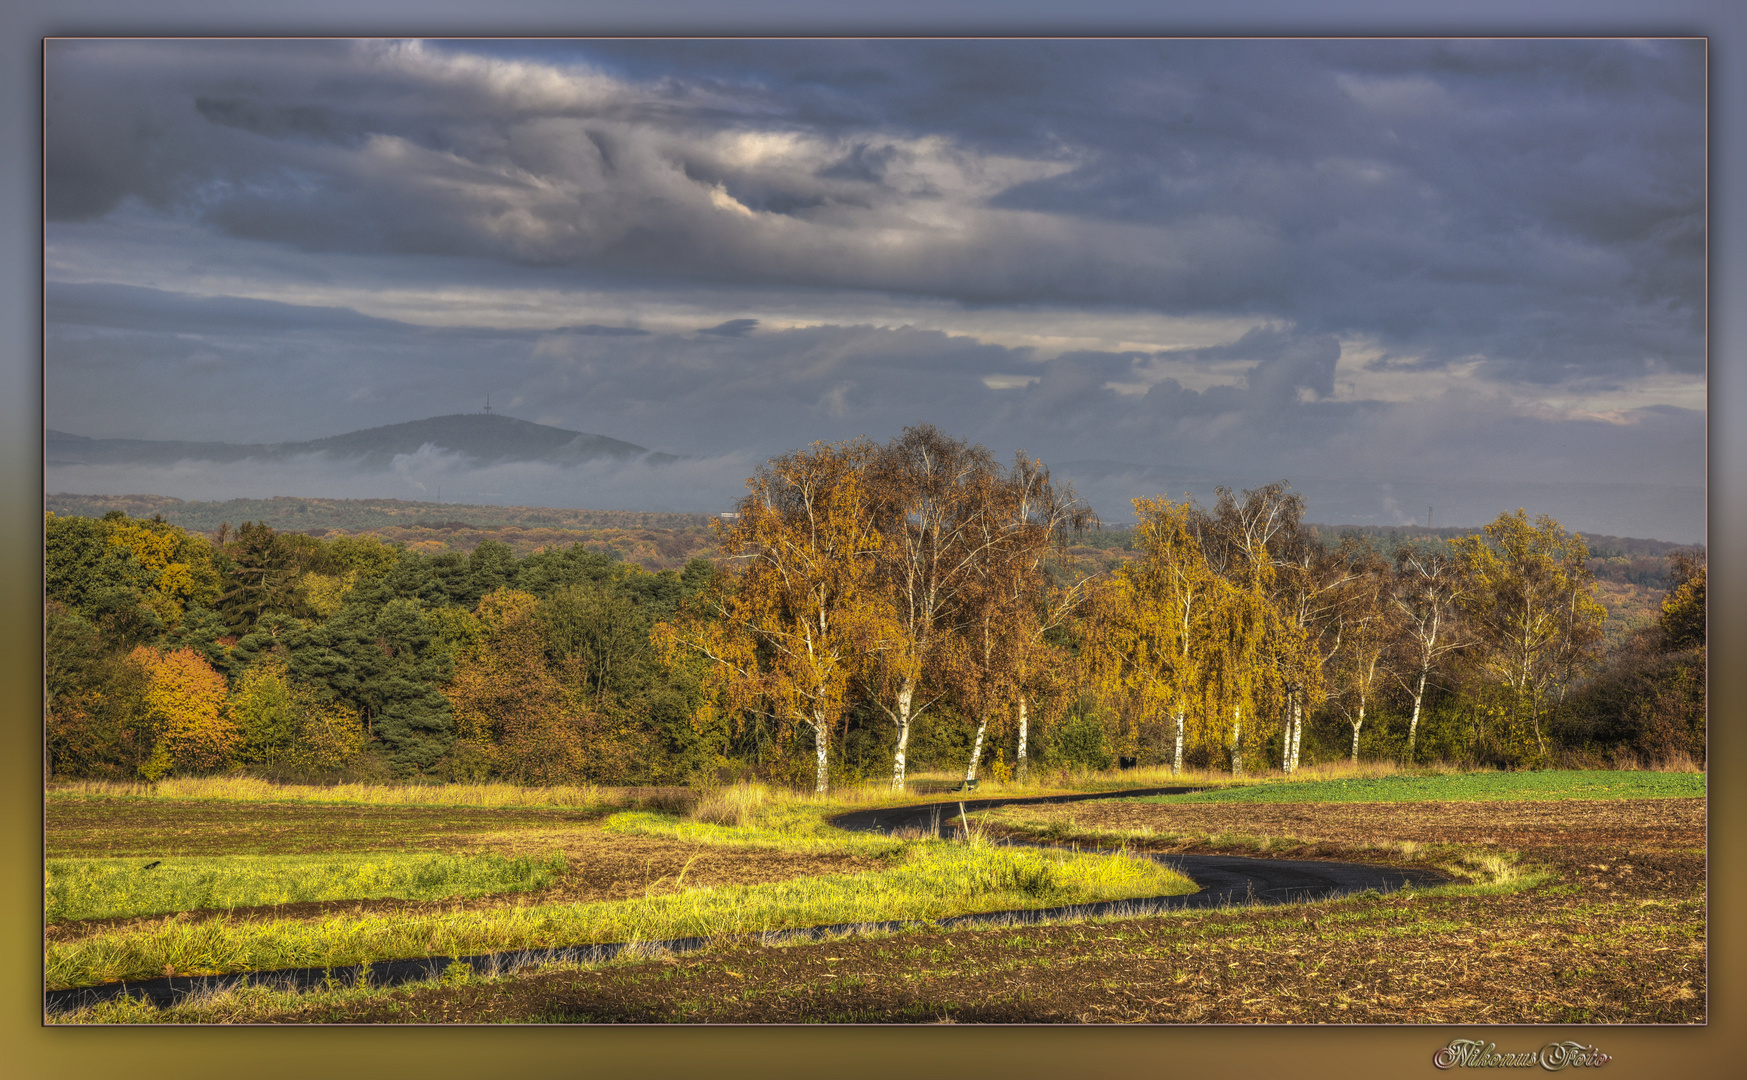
point(1151, 628)
point(787, 632)
point(177, 567)
point(287, 727)
point(188, 713)
point(1531, 603)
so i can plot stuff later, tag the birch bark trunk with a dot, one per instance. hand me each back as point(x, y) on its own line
point(1177, 755)
point(1286, 739)
point(822, 745)
point(1237, 742)
point(1021, 764)
point(905, 697)
point(1413, 725)
point(977, 749)
point(1297, 729)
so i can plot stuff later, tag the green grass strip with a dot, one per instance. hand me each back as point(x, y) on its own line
point(935, 880)
point(1461, 787)
point(110, 888)
point(789, 828)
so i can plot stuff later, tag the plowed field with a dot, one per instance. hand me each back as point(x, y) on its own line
point(1616, 936)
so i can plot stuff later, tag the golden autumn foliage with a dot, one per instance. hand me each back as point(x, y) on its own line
point(287, 726)
point(1151, 628)
point(176, 576)
point(186, 703)
point(1532, 605)
point(517, 715)
point(790, 635)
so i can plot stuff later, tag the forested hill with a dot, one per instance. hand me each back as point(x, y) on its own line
point(483, 437)
point(360, 515)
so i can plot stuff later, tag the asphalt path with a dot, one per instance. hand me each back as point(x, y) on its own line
point(1225, 881)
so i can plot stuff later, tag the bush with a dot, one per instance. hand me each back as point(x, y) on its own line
point(1079, 740)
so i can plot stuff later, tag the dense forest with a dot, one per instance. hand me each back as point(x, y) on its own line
point(871, 610)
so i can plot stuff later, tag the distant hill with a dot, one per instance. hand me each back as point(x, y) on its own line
point(484, 438)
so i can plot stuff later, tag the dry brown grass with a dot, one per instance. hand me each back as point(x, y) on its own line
point(251, 789)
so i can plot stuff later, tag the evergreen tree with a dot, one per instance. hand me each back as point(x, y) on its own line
point(491, 566)
point(261, 578)
point(379, 655)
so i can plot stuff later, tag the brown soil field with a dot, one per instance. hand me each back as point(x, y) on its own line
point(1630, 846)
point(100, 827)
point(1616, 935)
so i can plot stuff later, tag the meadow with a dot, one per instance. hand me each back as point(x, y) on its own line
point(1575, 897)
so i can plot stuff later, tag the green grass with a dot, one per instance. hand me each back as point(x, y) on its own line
point(935, 880)
point(785, 827)
point(1460, 787)
point(109, 888)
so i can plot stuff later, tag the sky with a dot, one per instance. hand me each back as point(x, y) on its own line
point(1466, 272)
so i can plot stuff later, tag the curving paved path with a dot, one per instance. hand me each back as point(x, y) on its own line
point(1225, 880)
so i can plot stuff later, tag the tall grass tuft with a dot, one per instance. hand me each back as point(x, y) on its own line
point(736, 805)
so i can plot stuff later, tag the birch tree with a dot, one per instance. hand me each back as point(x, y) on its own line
point(1242, 623)
point(1532, 604)
point(1426, 593)
point(789, 632)
point(933, 500)
point(1014, 602)
point(1155, 620)
point(1366, 618)
point(1280, 575)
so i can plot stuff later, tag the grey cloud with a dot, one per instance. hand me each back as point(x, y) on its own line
point(596, 330)
point(1534, 209)
point(700, 485)
point(1536, 202)
point(249, 372)
point(732, 328)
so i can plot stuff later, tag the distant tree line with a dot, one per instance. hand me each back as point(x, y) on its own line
point(879, 608)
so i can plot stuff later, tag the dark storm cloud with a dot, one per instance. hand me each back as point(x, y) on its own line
point(1538, 204)
point(1424, 259)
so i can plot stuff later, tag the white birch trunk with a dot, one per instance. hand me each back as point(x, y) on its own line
point(822, 746)
point(977, 749)
point(1297, 729)
point(1413, 724)
point(1021, 764)
point(1286, 739)
point(1237, 742)
point(1177, 755)
point(905, 697)
point(1357, 724)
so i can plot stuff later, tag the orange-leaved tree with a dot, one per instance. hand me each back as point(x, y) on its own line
point(511, 708)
